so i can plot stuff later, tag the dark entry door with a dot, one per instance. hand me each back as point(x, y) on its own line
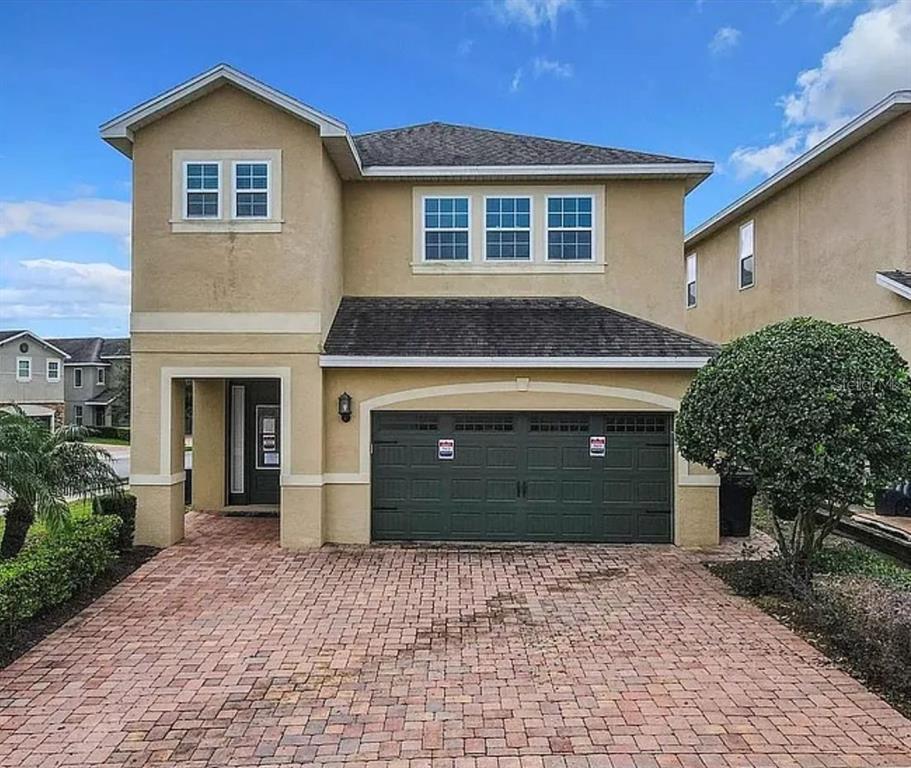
point(254, 441)
point(522, 477)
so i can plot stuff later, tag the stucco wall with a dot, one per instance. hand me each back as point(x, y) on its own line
point(818, 245)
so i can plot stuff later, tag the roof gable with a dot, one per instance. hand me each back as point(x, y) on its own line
point(7, 337)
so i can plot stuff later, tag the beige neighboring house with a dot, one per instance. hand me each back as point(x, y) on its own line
point(31, 376)
point(827, 236)
point(434, 332)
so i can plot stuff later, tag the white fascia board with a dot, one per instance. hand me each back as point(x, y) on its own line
point(41, 341)
point(100, 402)
point(364, 361)
point(468, 171)
point(845, 137)
point(893, 285)
point(76, 364)
point(121, 128)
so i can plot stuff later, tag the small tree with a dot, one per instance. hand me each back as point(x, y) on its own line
point(818, 414)
point(39, 468)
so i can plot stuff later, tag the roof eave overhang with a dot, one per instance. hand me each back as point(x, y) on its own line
point(844, 138)
point(390, 361)
point(893, 285)
point(41, 341)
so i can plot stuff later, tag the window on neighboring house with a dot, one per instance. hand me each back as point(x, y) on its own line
point(77, 415)
point(53, 370)
point(746, 270)
point(100, 376)
point(77, 377)
point(251, 190)
point(691, 280)
point(507, 228)
point(23, 369)
point(569, 228)
point(446, 229)
point(202, 190)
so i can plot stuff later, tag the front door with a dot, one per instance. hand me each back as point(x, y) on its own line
point(254, 441)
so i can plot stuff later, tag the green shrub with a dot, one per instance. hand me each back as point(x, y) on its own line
point(53, 568)
point(768, 577)
point(869, 623)
point(111, 433)
point(123, 506)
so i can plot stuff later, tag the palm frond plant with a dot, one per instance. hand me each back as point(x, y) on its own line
point(40, 469)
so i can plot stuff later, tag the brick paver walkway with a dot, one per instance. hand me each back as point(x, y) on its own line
point(227, 651)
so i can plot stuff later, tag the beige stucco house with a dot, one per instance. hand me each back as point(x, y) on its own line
point(828, 236)
point(435, 332)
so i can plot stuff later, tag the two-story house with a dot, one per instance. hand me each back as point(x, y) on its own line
point(97, 374)
point(31, 376)
point(435, 332)
point(828, 236)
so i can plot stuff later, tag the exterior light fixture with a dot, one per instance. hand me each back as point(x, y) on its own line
point(344, 406)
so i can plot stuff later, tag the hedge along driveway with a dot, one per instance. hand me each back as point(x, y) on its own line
point(228, 651)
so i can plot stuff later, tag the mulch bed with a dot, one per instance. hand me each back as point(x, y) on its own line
point(41, 626)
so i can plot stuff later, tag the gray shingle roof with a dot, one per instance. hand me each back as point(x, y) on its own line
point(898, 275)
point(454, 145)
point(500, 327)
point(115, 347)
point(80, 350)
point(4, 335)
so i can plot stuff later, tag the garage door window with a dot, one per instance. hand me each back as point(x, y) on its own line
point(635, 424)
point(484, 423)
point(549, 423)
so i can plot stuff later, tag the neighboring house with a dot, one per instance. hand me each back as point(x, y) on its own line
point(31, 376)
point(97, 375)
point(434, 332)
point(828, 236)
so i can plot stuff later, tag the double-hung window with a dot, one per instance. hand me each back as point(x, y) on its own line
point(77, 415)
point(569, 228)
point(507, 228)
point(23, 369)
point(53, 370)
point(202, 190)
point(77, 378)
point(746, 262)
point(446, 229)
point(100, 377)
point(251, 190)
point(691, 280)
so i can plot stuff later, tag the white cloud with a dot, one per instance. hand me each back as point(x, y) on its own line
point(47, 220)
point(533, 14)
point(543, 66)
point(516, 82)
point(726, 39)
point(53, 288)
point(828, 5)
point(869, 62)
point(465, 47)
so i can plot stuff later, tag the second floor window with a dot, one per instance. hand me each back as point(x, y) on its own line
point(202, 184)
point(507, 228)
point(746, 269)
point(446, 229)
point(77, 377)
point(691, 280)
point(53, 370)
point(569, 228)
point(24, 369)
point(100, 376)
point(251, 190)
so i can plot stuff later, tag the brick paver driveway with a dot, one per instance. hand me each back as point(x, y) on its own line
point(226, 651)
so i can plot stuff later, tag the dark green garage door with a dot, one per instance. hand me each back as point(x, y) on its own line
point(522, 477)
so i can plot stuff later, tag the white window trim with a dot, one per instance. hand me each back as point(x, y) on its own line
point(235, 190)
point(78, 415)
point(694, 281)
point(100, 377)
point(19, 377)
point(53, 379)
point(78, 380)
point(219, 191)
point(424, 230)
point(548, 229)
point(226, 221)
point(741, 257)
point(530, 229)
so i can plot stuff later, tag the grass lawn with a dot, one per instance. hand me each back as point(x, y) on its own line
point(78, 509)
point(107, 441)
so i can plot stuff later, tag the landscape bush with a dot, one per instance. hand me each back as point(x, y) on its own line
point(111, 433)
point(53, 568)
point(122, 506)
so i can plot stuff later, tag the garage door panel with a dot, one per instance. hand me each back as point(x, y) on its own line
point(521, 477)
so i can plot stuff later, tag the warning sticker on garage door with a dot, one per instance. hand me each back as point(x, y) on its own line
point(446, 448)
point(596, 445)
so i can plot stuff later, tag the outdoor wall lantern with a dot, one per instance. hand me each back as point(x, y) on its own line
point(344, 406)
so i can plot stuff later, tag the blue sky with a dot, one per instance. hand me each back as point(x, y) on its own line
point(748, 85)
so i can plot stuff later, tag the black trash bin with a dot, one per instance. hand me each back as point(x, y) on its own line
point(736, 505)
